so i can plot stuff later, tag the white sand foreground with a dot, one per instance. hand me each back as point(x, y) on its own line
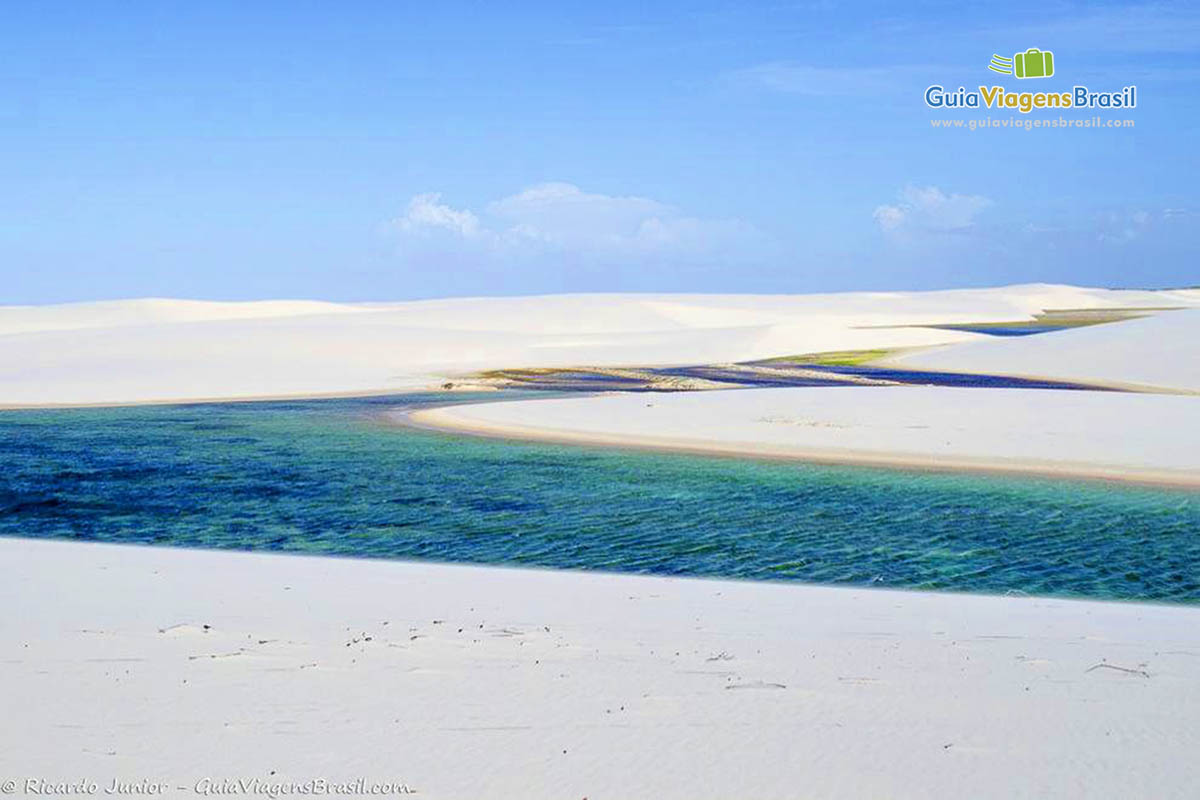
point(1111, 435)
point(152, 350)
point(175, 666)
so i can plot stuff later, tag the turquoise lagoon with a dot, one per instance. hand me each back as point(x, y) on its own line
point(330, 477)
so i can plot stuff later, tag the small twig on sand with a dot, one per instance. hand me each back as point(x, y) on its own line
point(1127, 670)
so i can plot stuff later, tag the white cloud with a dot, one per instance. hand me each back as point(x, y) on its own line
point(425, 214)
point(889, 217)
point(561, 217)
point(929, 209)
point(563, 214)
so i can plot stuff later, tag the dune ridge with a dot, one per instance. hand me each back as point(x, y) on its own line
point(162, 350)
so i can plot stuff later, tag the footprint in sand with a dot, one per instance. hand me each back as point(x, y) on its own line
point(185, 629)
point(756, 685)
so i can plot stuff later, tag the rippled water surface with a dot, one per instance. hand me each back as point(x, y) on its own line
point(327, 477)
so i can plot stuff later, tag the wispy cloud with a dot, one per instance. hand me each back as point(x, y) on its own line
point(562, 218)
point(1122, 228)
point(1105, 42)
point(928, 209)
point(1158, 28)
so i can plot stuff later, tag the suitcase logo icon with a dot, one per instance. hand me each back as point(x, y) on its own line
point(1033, 63)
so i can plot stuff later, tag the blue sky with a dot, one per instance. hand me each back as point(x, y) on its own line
point(361, 151)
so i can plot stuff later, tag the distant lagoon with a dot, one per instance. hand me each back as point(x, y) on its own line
point(329, 477)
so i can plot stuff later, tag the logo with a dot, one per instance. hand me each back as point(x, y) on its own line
point(1033, 63)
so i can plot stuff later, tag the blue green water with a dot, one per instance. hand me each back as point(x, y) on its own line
point(327, 477)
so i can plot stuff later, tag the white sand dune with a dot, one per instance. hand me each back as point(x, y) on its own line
point(1114, 435)
point(1159, 351)
point(161, 350)
point(489, 683)
point(152, 311)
